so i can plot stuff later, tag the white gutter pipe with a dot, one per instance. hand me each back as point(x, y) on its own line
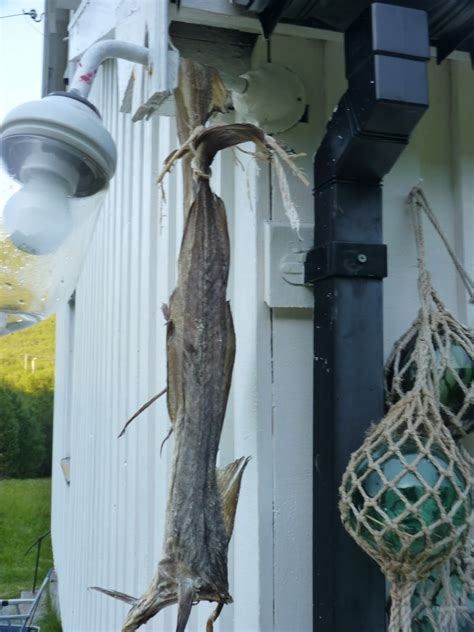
point(97, 53)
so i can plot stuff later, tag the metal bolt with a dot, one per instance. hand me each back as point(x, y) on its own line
point(361, 258)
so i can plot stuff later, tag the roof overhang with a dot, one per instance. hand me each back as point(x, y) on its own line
point(451, 22)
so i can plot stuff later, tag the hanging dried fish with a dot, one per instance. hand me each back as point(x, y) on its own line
point(200, 353)
point(202, 500)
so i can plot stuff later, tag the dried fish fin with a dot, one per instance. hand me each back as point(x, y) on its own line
point(165, 440)
point(116, 595)
point(141, 410)
point(177, 154)
point(229, 479)
point(230, 352)
point(163, 592)
point(185, 603)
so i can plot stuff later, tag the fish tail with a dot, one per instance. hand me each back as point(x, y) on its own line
point(185, 603)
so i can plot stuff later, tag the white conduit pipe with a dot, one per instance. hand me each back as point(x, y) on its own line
point(99, 52)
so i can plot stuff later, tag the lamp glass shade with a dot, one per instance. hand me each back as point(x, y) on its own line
point(45, 230)
point(56, 161)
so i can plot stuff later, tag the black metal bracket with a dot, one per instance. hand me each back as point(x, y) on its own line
point(345, 259)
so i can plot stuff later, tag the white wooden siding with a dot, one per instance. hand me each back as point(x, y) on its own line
point(108, 525)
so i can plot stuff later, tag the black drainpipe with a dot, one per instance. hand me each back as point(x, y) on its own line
point(386, 48)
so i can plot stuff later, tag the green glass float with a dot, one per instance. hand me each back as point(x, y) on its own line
point(393, 502)
point(433, 586)
point(451, 395)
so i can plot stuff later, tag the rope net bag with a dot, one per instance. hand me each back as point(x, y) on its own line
point(405, 497)
point(406, 493)
point(450, 371)
point(445, 600)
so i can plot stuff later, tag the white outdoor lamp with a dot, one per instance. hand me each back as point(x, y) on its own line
point(57, 159)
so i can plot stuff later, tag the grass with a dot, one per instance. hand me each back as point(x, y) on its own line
point(49, 622)
point(25, 510)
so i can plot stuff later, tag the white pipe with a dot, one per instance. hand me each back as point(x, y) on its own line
point(89, 63)
point(99, 52)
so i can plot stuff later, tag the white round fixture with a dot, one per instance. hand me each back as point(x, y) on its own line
point(275, 98)
point(57, 159)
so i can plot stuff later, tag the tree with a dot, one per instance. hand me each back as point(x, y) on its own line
point(26, 401)
point(32, 454)
point(9, 435)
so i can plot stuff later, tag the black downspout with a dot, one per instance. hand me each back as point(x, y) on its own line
point(387, 48)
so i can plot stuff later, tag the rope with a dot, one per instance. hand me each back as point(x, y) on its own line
point(400, 613)
point(428, 354)
point(452, 602)
point(417, 197)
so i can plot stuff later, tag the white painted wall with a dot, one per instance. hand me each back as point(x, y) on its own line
point(108, 525)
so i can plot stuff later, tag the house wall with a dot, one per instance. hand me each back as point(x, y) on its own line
point(107, 526)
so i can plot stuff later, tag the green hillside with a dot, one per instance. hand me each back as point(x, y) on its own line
point(37, 341)
point(26, 401)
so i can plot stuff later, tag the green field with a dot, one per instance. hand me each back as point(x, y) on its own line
point(25, 510)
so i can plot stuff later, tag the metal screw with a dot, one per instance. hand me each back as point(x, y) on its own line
point(361, 258)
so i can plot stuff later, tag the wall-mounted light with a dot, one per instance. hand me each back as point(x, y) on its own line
point(57, 159)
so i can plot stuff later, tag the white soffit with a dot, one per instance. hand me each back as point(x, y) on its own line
point(146, 23)
point(221, 13)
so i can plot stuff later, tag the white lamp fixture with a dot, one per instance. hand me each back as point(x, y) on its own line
point(57, 159)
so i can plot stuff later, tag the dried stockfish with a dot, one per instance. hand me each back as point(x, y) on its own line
point(202, 500)
point(200, 350)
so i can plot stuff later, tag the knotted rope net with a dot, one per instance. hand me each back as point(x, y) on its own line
point(449, 374)
point(445, 600)
point(406, 493)
point(405, 497)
